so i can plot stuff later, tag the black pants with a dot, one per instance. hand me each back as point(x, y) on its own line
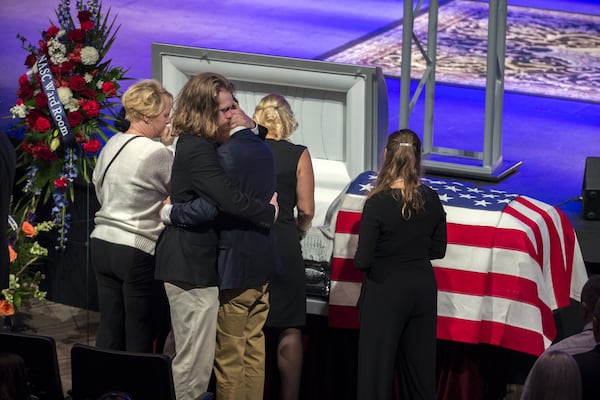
point(398, 315)
point(133, 305)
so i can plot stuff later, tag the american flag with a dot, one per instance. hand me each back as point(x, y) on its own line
point(511, 260)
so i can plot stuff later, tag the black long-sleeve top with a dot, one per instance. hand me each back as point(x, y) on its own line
point(386, 239)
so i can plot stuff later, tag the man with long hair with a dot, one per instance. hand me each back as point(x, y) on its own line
point(205, 114)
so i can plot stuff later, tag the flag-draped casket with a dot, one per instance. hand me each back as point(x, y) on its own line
point(511, 260)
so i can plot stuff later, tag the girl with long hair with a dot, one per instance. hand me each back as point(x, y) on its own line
point(402, 228)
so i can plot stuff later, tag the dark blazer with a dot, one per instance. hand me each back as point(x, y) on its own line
point(247, 252)
point(187, 255)
point(589, 367)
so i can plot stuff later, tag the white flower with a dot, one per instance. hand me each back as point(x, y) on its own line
point(65, 94)
point(57, 51)
point(19, 111)
point(89, 55)
point(88, 77)
point(99, 84)
point(58, 59)
point(72, 105)
point(55, 46)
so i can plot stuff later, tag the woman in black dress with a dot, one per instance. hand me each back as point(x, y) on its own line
point(295, 188)
point(402, 228)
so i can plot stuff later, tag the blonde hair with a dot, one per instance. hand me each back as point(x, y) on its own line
point(197, 106)
point(402, 161)
point(275, 113)
point(144, 99)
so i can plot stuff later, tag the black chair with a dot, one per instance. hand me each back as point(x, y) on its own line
point(39, 353)
point(142, 376)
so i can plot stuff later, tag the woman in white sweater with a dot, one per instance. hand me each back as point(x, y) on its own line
point(132, 178)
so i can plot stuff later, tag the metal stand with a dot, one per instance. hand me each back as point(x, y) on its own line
point(488, 165)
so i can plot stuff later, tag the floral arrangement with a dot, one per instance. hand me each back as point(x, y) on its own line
point(65, 101)
point(25, 252)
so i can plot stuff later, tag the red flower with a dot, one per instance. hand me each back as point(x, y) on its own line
point(77, 35)
point(61, 183)
point(74, 118)
point(84, 16)
point(91, 108)
point(24, 80)
point(92, 146)
point(30, 61)
point(77, 83)
point(39, 150)
point(67, 67)
point(88, 93)
point(87, 25)
point(27, 148)
point(75, 55)
point(25, 91)
point(109, 89)
point(42, 124)
point(41, 100)
point(52, 32)
point(43, 152)
point(32, 116)
point(43, 47)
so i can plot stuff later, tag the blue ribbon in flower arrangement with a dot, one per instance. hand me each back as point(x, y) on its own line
point(54, 105)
